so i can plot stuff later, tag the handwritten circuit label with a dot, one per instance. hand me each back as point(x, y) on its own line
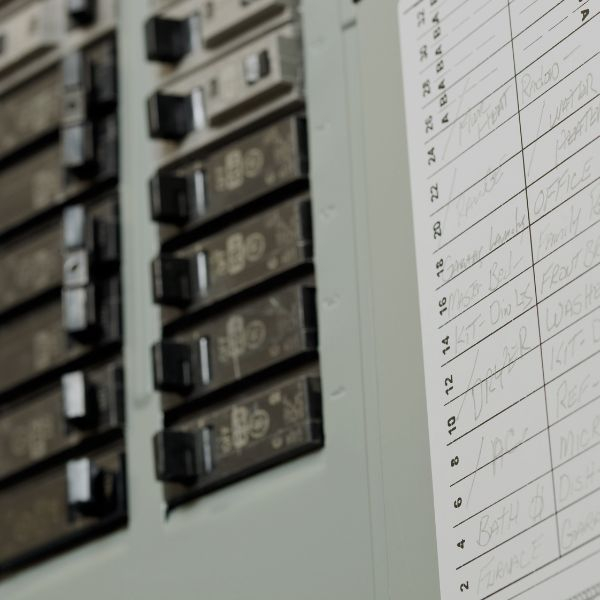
point(503, 115)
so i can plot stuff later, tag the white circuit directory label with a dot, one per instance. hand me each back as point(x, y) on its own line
point(503, 112)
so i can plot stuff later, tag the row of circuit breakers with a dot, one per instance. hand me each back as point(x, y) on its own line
point(237, 365)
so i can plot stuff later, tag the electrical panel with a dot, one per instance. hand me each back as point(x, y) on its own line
point(211, 377)
point(236, 365)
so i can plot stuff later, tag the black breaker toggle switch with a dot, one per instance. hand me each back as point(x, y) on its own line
point(170, 117)
point(178, 281)
point(182, 456)
point(173, 281)
point(82, 12)
point(179, 367)
point(171, 199)
point(167, 40)
point(172, 367)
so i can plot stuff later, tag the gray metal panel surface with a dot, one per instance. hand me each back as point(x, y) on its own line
point(355, 521)
point(391, 319)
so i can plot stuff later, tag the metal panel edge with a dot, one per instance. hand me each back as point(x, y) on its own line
point(401, 434)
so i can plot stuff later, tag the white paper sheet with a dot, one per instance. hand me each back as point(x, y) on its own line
point(503, 110)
